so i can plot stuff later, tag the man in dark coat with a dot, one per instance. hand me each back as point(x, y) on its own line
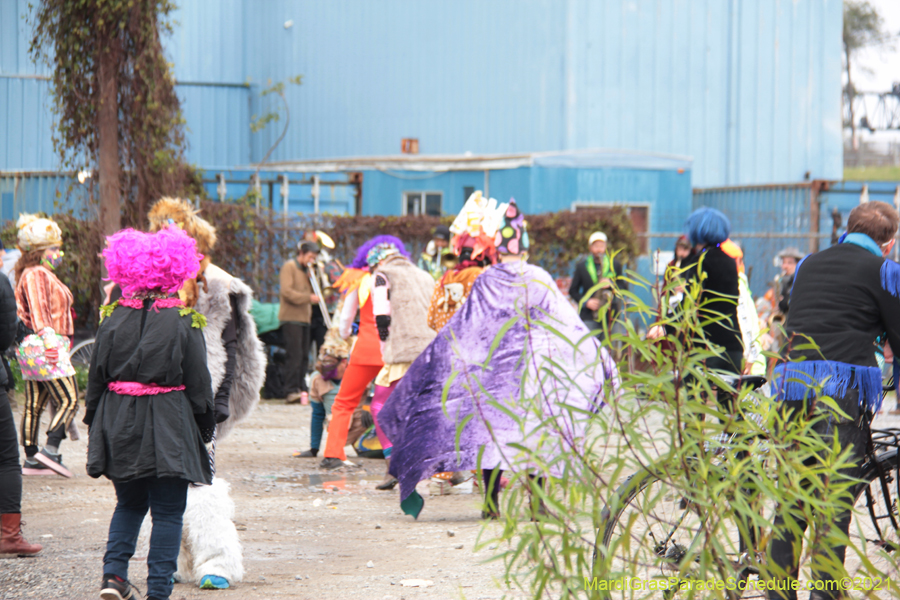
point(11, 541)
point(790, 258)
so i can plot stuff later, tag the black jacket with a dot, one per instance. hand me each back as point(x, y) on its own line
point(718, 276)
point(784, 301)
point(838, 300)
point(582, 283)
point(8, 326)
point(148, 436)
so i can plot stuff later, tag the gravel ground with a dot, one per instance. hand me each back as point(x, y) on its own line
point(306, 533)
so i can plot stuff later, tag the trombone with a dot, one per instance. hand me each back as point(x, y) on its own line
point(314, 278)
point(317, 290)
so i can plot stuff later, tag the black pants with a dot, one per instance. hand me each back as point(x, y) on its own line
point(317, 328)
point(729, 362)
point(785, 547)
point(296, 344)
point(10, 469)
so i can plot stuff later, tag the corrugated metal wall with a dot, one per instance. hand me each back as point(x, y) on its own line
point(767, 219)
point(207, 49)
point(764, 220)
point(749, 88)
point(42, 192)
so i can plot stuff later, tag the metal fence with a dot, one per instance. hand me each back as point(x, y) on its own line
point(294, 193)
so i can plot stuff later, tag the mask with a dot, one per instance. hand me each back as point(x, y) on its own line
point(53, 259)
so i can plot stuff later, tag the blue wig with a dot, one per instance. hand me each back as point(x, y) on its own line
point(360, 261)
point(707, 226)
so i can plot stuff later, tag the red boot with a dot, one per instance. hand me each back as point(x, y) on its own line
point(11, 541)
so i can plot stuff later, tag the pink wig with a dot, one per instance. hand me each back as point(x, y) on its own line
point(144, 262)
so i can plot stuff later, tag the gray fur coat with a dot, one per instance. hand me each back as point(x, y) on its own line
point(250, 363)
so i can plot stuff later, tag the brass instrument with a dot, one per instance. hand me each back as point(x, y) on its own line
point(314, 274)
point(317, 278)
point(605, 295)
point(449, 259)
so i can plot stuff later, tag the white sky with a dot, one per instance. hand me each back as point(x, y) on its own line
point(884, 65)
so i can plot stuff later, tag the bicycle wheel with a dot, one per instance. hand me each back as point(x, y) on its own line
point(650, 538)
point(81, 353)
point(874, 532)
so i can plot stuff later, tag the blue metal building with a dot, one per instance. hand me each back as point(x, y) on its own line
point(749, 88)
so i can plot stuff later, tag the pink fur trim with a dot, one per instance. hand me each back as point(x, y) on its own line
point(135, 303)
point(134, 388)
point(168, 303)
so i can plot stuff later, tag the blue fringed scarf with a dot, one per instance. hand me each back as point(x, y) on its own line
point(890, 277)
point(890, 271)
point(797, 381)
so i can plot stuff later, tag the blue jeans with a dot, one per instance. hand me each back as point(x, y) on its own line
point(165, 498)
point(315, 427)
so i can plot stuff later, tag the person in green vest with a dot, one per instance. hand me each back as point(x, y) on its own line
point(431, 261)
point(598, 268)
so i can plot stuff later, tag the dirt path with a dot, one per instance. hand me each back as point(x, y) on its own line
point(306, 533)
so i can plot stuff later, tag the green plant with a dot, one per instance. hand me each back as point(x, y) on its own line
point(662, 421)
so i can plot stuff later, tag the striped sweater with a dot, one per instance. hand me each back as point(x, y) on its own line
point(44, 301)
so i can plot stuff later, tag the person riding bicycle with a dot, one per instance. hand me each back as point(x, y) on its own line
point(843, 298)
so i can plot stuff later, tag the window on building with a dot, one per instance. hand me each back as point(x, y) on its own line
point(468, 190)
point(423, 203)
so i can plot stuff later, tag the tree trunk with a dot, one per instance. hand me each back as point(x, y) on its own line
point(108, 139)
point(850, 94)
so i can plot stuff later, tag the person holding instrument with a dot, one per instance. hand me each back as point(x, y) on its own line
point(295, 313)
point(599, 268)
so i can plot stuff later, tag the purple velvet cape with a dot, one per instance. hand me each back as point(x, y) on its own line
point(530, 365)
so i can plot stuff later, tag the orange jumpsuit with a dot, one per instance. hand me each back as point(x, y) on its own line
point(365, 363)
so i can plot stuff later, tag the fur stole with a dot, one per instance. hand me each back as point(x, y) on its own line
point(250, 362)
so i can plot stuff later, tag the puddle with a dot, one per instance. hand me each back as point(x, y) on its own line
point(329, 482)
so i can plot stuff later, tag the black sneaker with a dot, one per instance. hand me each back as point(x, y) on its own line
point(331, 463)
point(114, 588)
point(311, 453)
point(53, 461)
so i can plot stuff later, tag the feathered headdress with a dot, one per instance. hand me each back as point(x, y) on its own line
point(363, 252)
point(180, 213)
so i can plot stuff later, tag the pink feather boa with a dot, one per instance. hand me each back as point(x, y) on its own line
point(134, 388)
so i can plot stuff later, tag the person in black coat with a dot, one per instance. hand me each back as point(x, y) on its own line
point(598, 268)
point(717, 274)
point(11, 541)
point(149, 403)
point(844, 299)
